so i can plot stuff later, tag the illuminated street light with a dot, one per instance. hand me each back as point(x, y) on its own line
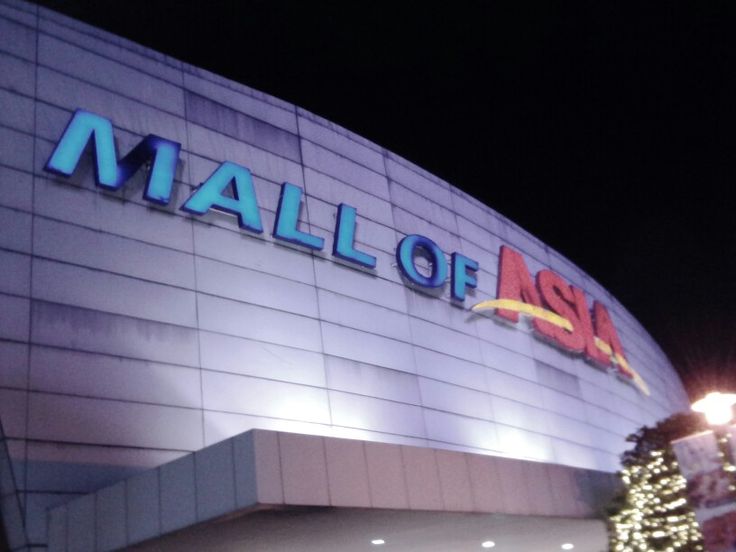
point(717, 407)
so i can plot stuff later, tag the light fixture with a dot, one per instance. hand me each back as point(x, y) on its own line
point(487, 544)
point(567, 546)
point(717, 407)
point(378, 542)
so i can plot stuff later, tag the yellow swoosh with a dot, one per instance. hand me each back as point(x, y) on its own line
point(621, 361)
point(557, 320)
point(524, 308)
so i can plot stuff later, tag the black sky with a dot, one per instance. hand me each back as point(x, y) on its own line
point(604, 128)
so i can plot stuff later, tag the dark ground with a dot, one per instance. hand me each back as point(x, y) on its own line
point(604, 128)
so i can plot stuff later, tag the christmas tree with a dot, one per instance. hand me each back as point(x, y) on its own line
point(652, 512)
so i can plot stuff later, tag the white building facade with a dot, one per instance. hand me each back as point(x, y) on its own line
point(134, 333)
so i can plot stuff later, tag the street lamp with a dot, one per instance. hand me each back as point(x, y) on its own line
point(718, 410)
point(714, 496)
point(717, 407)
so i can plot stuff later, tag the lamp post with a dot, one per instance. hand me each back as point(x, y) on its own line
point(717, 408)
point(718, 411)
point(715, 506)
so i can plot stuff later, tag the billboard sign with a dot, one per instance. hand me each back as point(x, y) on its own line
point(559, 311)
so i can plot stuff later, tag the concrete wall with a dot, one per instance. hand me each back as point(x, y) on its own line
point(132, 334)
point(264, 470)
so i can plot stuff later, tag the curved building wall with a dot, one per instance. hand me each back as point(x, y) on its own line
point(132, 333)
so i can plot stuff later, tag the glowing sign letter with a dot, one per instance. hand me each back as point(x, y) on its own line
point(559, 297)
point(460, 277)
point(287, 219)
point(608, 339)
point(81, 128)
point(343, 244)
point(243, 204)
point(109, 173)
point(514, 282)
point(592, 351)
point(414, 244)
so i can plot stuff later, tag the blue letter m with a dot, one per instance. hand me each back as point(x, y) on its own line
point(109, 173)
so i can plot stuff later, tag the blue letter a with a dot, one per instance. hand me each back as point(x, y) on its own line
point(243, 203)
point(109, 173)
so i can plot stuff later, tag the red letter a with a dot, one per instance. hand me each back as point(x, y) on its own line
point(586, 327)
point(606, 332)
point(514, 282)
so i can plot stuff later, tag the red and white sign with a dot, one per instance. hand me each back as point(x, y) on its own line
point(560, 314)
point(710, 487)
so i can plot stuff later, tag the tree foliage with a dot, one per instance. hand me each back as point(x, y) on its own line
point(652, 513)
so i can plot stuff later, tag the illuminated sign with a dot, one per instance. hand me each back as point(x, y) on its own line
point(559, 313)
point(558, 310)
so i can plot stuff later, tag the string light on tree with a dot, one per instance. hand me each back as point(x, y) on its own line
point(652, 513)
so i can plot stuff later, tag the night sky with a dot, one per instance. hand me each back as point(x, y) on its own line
point(606, 129)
